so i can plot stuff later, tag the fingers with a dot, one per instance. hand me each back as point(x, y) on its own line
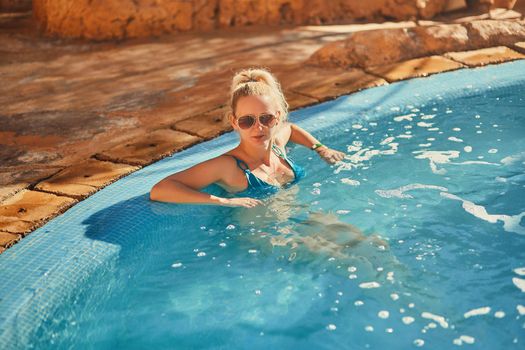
point(249, 202)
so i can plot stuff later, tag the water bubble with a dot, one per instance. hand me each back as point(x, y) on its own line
point(331, 327)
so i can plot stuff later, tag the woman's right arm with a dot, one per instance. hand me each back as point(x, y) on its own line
point(185, 186)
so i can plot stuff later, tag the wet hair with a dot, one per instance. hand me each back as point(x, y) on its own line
point(257, 82)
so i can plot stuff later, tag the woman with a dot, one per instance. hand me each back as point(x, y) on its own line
point(258, 165)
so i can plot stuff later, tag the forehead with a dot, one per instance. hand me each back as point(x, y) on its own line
point(254, 105)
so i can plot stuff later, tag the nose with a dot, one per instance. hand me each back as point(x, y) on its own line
point(258, 124)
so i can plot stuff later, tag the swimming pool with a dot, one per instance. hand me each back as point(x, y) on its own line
point(416, 239)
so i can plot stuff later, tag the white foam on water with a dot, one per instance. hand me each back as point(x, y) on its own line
point(176, 265)
point(474, 162)
point(477, 312)
point(383, 314)
point(404, 136)
point(400, 192)
point(437, 157)
point(467, 149)
point(369, 328)
point(419, 342)
point(201, 254)
point(463, 339)
point(331, 327)
point(455, 139)
point(359, 303)
point(361, 155)
point(357, 126)
point(519, 271)
point(368, 285)
point(348, 181)
point(424, 124)
point(408, 320)
point(428, 116)
point(394, 296)
point(405, 117)
point(520, 283)
point(456, 129)
point(513, 158)
point(511, 223)
point(439, 319)
point(387, 140)
point(521, 309)
point(493, 150)
point(425, 144)
point(499, 314)
point(433, 129)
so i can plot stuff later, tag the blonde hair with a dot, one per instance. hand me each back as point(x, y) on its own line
point(257, 82)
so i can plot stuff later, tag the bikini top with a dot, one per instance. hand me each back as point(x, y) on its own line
point(259, 188)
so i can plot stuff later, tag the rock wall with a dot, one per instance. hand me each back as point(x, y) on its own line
point(15, 5)
point(118, 19)
point(385, 46)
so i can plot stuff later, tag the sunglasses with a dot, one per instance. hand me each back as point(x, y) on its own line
point(265, 119)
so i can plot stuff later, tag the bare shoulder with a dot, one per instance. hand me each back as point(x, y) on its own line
point(283, 134)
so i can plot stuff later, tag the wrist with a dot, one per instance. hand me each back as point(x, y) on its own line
point(317, 146)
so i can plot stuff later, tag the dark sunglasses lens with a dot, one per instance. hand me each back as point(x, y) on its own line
point(267, 119)
point(246, 122)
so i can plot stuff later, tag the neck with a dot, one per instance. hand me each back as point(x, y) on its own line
point(258, 154)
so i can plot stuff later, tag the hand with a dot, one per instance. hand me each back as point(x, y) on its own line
point(329, 155)
point(245, 202)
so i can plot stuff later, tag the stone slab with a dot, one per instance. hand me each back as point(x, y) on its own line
point(150, 147)
point(8, 239)
point(207, 125)
point(83, 179)
point(8, 191)
point(483, 57)
point(419, 67)
point(296, 100)
point(28, 209)
point(325, 84)
point(519, 46)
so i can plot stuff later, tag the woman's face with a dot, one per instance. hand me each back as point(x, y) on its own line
point(258, 134)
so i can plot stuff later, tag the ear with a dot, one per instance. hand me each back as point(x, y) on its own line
point(233, 121)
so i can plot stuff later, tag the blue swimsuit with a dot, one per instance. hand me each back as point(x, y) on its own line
point(259, 188)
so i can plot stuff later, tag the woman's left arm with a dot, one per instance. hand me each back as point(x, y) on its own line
point(302, 137)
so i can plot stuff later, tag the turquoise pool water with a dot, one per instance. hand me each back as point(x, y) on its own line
point(417, 239)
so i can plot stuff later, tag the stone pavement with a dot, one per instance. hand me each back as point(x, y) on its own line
point(77, 115)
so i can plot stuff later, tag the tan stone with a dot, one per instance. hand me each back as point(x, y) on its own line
point(379, 47)
point(85, 178)
point(296, 100)
point(207, 125)
point(502, 14)
point(140, 18)
point(485, 56)
point(489, 33)
point(151, 147)
point(418, 67)
point(325, 84)
point(508, 4)
point(8, 239)
point(7, 191)
point(519, 46)
point(454, 5)
point(27, 210)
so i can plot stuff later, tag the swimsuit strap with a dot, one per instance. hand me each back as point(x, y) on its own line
point(240, 163)
point(279, 152)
